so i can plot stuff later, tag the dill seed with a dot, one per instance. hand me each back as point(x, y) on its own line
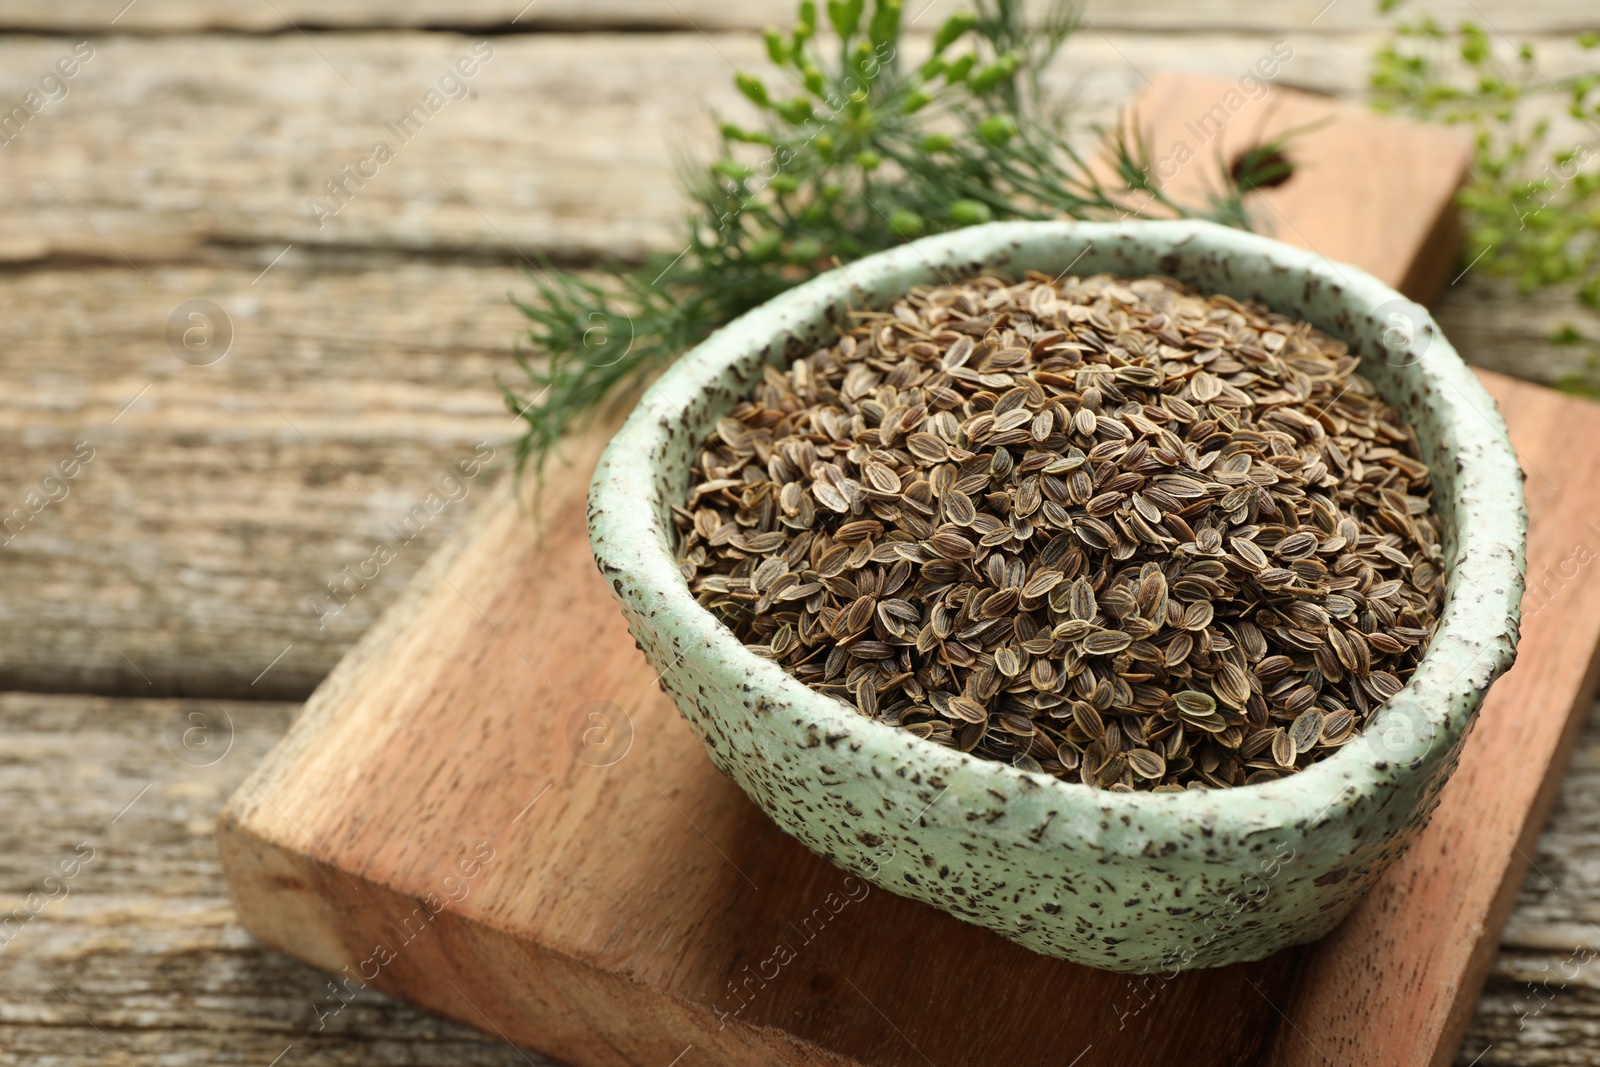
point(1106, 529)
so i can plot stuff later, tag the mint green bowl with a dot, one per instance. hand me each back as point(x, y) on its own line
point(1126, 881)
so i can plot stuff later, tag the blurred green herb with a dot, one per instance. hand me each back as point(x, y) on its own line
point(856, 152)
point(1583, 380)
point(1531, 204)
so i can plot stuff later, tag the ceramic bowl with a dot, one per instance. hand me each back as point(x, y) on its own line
point(1125, 881)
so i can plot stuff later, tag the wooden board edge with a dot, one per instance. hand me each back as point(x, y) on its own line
point(1439, 254)
point(1441, 251)
point(1435, 256)
point(558, 1006)
point(1434, 1036)
point(329, 699)
point(1456, 1022)
point(509, 501)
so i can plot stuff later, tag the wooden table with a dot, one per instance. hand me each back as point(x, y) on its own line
point(157, 626)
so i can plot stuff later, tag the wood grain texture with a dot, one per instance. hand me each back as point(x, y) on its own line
point(565, 146)
point(198, 536)
point(1541, 1005)
point(623, 899)
point(189, 553)
point(197, 544)
point(143, 955)
point(1496, 326)
point(1385, 987)
point(169, 16)
point(643, 885)
point(148, 946)
point(229, 138)
point(1395, 179)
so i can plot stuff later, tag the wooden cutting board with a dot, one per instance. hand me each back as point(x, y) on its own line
point(490, 809)
point(1366, 190)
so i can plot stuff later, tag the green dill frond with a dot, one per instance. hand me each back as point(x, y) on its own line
point(855, 152)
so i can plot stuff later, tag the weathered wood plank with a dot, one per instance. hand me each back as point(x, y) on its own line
point(188, 553)
point(1541, 1006)
point(139, 951)
point(205, 525)
point(564, 145)
point(1165, 15)
point(1496, 326)
point(185, 558)
point(147, 945)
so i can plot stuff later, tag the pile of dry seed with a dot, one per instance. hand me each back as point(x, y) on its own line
point(1102, 528)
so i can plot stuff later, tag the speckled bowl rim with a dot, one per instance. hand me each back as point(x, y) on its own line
point(1473, 645)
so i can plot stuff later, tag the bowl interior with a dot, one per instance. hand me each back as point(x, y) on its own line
point(1477, 486)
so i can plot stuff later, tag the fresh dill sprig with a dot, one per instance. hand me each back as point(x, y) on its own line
point(858, 152)
point(1531, 204)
